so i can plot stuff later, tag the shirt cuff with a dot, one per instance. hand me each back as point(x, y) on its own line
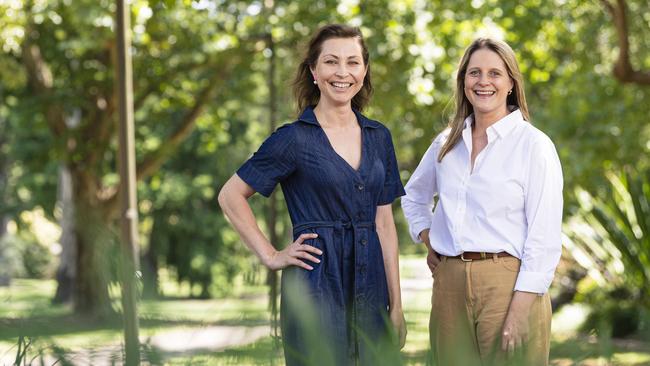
point(536, 282)
point(417, 228)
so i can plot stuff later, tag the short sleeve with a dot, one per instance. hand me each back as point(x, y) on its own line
point(393, 187)
point(272, 162)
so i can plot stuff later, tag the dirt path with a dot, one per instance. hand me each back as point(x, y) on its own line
point(212, 338)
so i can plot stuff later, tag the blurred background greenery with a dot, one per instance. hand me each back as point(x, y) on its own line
point(211, 81)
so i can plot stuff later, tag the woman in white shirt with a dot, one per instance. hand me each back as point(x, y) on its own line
point(494, 237)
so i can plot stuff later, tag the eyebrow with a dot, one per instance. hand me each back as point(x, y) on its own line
point(336, 57)
point(478, 68)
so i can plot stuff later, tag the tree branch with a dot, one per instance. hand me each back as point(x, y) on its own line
point(41, 81)
point(623, 69)
point(154, 85)
point(155, 159)
point(102, 124)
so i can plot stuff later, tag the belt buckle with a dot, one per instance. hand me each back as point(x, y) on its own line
point(462, 257)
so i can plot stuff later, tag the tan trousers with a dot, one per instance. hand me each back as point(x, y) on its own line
point(469, 304)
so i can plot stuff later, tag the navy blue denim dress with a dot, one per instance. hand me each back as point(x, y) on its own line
point(337, 312)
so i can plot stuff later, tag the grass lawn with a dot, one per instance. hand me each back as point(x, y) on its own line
point(25, 309)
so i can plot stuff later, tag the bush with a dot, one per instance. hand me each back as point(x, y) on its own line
point(21, 255)
point(10, 262)
point(617, 312)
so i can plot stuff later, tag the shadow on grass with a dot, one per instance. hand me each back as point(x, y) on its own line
point(66, 324)
point(39, 326)
point(26, 310)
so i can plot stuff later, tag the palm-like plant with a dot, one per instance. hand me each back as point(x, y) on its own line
point(610, 236)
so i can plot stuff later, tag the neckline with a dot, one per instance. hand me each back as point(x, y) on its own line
point(357, 170)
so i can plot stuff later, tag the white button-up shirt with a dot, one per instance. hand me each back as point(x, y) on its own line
point(511, 201)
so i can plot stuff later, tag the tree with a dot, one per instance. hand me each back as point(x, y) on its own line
point(624, 71)
point(68, 60)
point(202, 94)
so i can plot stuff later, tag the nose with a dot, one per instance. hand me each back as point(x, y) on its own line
point(342, 70)
point(483, 79)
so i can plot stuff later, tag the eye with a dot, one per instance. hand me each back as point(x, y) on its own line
point(330, 62)
point(495, 73)
point(353, 62)
point(473, 73)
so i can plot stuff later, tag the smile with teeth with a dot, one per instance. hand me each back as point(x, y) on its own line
point(484, 92)
point(340, 85)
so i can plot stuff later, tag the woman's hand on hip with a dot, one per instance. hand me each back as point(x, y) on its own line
point(399, 325)
point(293, 253)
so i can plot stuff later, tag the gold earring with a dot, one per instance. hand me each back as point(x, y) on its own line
point(509, 91)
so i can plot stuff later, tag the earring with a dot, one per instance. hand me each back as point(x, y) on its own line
point(509, 91)
point(315, 82)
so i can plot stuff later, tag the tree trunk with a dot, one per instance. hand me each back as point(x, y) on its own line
point(65, 274)
point(5, 276)
point(150, 264)
point(96, 251)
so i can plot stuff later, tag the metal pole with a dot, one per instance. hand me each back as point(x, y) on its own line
point(128, 208)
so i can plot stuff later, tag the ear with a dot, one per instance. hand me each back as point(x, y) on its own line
point(313, 72)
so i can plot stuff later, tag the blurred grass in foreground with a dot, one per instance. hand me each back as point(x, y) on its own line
point(25, 309)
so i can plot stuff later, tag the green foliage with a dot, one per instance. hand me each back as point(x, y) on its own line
point(36, 259)
point(611, 238)
point(616, 313)
point(10, 259)
point(22, 255)
point(565, 48)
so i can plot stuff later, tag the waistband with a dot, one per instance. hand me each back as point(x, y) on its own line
point(339, 224)
point(474, 256)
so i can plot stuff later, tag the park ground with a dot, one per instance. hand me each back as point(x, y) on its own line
point(236, 330)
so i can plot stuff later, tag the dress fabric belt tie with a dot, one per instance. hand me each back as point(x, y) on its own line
point(360, 261)
point(340, 224)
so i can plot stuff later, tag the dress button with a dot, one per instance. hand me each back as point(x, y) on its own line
point(360, 187)
point(364, 241)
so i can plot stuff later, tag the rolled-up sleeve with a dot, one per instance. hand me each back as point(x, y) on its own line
point(271, 163)
point(418, 202)
point(543, 207)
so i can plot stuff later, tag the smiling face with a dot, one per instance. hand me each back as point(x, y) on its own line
point(486, 84)
point(339, 71)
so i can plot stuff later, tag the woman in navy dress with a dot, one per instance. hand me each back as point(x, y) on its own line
point(340, 283)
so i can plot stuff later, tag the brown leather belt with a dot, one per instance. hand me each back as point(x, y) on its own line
point(474, 256)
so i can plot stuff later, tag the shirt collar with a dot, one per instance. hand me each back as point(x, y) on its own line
point(501, 127)
point(308, 116)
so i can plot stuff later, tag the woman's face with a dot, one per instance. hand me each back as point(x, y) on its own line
point(339, 71)
point(487, 83)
